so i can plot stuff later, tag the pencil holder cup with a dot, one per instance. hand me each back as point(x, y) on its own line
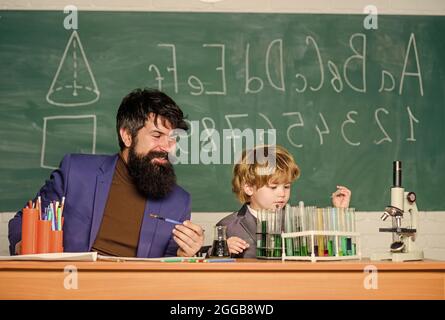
point(30, 217)
point(56, 241)
point(43, 236)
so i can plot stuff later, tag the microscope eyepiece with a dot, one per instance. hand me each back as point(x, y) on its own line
point(384, 216)
point(397, 173)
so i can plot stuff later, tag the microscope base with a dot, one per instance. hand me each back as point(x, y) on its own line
point(398, 257)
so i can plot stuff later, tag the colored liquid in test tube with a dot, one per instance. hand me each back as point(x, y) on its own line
point(278, 229)
point(326, 228)
point(302, 227)
point(298, 242)
point(259, 234)
point(348, 229)
point(352, 229)
point(339, 229)
point(334, 227)
point(313, 226)
point(327, 224)
point(289, 226)
point(354, 242)
point(269, 236)
point(264, 227)
point(320, 239)
point(344, 246)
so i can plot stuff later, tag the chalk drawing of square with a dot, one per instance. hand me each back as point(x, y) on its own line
point(67, 134)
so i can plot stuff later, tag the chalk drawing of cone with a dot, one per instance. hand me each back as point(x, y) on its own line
point(73, 84)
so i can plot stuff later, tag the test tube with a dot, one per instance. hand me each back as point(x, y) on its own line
point(334, 227)
point(307, 212)
point(353, 229)
point(348, 229)
point(289, 222)
point(264, 227)
point(339, 229)
point(320, 239)
point(272, 231)
point(269, 235)
point(342, 225)
point(327, 216)
point(295, 227)
point(297, 240)
point(278, 216)
point(327, 239)
point(259, 233)
point(313, 227)
point(303, 227)
point(312, 244)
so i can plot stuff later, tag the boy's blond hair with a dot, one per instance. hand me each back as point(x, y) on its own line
point(257, 174)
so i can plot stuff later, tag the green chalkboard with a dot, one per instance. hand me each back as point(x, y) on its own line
point(346, 101)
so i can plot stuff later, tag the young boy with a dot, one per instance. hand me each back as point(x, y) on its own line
point(263, 185)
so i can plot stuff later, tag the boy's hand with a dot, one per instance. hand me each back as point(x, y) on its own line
point(237, 245)
point(341, 197)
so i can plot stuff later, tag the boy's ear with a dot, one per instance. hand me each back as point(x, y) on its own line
point(248, 189)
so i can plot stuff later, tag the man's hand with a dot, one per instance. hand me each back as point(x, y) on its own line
point(189, 237)
point(237, 245)
point(18, 248)
point(341, 197)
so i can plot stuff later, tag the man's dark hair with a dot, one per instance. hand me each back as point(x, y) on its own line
point(138, 104)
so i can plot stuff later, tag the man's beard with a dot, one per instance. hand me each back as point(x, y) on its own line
point(152, 179)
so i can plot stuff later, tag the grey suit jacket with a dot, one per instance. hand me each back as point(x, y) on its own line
point(242, 224)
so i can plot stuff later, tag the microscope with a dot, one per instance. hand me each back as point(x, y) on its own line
point(403, 247)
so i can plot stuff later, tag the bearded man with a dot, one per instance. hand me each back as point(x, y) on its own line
point(109, 201)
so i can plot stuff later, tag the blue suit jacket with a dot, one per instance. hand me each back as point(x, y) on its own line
point(85, 182)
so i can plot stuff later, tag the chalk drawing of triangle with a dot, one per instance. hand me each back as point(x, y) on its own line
point(73, 84)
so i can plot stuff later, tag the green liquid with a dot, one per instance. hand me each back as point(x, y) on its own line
point(278, 245)
point(289, 247)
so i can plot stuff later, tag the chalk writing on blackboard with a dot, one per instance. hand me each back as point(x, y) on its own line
point(73, 84)
point(66, 127)
point(337, 77)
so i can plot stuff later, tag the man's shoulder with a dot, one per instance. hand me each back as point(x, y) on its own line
point(83, 157)
point(87, 163)
point(88, 159)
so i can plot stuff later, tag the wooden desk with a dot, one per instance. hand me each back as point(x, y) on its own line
point(244, 279)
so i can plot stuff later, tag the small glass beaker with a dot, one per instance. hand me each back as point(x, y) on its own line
point(220, 247)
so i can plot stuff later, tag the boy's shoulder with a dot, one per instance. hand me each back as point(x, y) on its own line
point(234, 216)
point(228, 219)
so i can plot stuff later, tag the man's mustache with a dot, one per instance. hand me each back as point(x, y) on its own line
point(156, 154)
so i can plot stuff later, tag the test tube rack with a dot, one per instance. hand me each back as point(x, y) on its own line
point(338, 235)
